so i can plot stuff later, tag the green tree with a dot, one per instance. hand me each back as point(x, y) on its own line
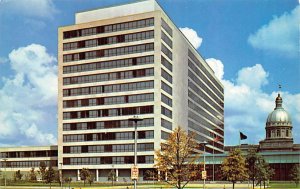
point(49, 175)
point(32, 175)
point(234, 168)
point(68, 180)
point(90, 179)
point(177, 159)
point(295, 174)
point(258, 169)
point(84, 174)
point(265, 172)
point(42, 170)
point(18, 175)
point(112, 176)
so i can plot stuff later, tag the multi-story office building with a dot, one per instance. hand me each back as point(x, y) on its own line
point(24, 158)
point(126, 60)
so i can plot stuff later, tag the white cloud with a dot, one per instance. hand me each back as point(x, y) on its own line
point(254, 77)
point(247, 106)
point(35, 8)
point(217, 67)
point(29, 98)
point(192, 36)
point(280, 35)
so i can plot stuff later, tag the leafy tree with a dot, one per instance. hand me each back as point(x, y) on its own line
point(42, 170)
point(68, 180)
point(112, 176)
point(49, 175)
point(32, 175)
point(258, 169)
point(151, 175)
point(295, 174)
point(84, 174)
point(265, 172)
point(18, 175)
point(234, 168)
point(90, 179)
point(176, 158)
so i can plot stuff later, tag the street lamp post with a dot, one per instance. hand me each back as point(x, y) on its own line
point(5, 171)
point(204, 144)
point(135, 119)
point(61, 176)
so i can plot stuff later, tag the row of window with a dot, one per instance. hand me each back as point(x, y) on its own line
point(166, 100)
point(197, 90)
point(148, 122)
point(201, 84)
point(199, 128)
point(202, 68)
point(203, 103)
point(109, 76)
point(108, 112)
point(108, 52)
point(108, 160)
point(109, 88)
point(109, 28)
point(166, 27)
point(107, 148)
point(108, 100)
point(166, 63)
point(108, 40)
point(200, 119)
point(27, 164)
point(166, 88)
point(210, 143)
point(166, 124)
point(29, 154)
point(109, 64)
point(108, 136)
point(205, 80)
point(200, 110)
point(166, 51)
point(165, 111)
point(166, 76)
point(165, 135)
point(166, 39)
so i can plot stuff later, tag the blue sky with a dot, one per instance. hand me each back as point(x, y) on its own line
point(252, 45)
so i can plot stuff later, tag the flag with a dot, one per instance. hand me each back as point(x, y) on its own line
point(216, 139)
point(242, 136)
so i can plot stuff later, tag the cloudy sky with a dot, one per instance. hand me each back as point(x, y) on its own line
point(252, 45)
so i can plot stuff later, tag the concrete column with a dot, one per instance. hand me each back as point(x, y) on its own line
point(166, 176)
point(97, 175)
point(158, 173)
point(78, 174)
point(117, 175)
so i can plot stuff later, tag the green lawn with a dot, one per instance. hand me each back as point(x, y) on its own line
point(77, 185)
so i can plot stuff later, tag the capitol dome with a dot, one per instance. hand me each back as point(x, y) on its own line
point(279, 116)
point(279, 122)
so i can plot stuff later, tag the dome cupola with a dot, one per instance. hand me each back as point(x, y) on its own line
point(279, 122)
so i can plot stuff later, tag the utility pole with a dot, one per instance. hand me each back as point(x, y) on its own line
point(61, 176)
point(135, 119)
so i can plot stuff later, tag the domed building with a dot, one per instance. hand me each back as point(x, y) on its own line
point(278, 130)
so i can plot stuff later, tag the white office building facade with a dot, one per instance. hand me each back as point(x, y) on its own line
point(126, 60)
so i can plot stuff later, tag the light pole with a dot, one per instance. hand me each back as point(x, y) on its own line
point(135, 119)
point(61, 176)
point(204, 144)
point(4, 172)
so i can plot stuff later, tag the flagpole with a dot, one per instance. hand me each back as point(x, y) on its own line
point(214, 160)
point(239, 138)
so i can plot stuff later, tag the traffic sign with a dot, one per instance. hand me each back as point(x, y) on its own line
point(134, 172)
point(203, 174)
